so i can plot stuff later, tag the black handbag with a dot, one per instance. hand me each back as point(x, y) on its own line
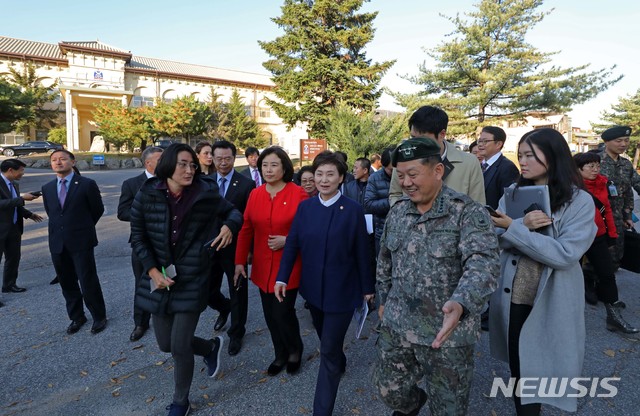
point(631, 258)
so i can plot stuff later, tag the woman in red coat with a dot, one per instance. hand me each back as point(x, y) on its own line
point(598, 254)
point(267, 219)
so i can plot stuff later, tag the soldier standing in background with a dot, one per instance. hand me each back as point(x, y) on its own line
point(437, 266)
point(622, 177)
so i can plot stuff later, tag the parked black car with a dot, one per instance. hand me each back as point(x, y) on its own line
point(164, 143)
point(11, 150)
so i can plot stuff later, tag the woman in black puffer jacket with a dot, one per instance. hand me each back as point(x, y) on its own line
point(173, 217)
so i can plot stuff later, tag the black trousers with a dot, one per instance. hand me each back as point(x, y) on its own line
point(79, 281)
point(175, 334)
point(517, 316)
point(238, 304)
point(10, 247)
point(600, 259)
point(331, 329)
point(283, 324)
point(140, 317)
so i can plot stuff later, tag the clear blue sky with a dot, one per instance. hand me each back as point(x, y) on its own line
point(224, 33)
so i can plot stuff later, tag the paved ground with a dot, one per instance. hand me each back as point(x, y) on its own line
point(44, 371)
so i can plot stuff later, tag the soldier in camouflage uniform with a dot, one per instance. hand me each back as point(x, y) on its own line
point(622, 177)
point(437, 266)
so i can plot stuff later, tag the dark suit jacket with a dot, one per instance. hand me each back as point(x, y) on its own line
point(73, 226)
point(7, 207)
point(335, 251)
point(498, 176)
point(129, 190)
point(247, 173)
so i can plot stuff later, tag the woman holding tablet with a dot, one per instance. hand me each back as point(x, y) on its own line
point(537, 313)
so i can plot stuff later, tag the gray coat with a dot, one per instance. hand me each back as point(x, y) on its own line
point(553, 336)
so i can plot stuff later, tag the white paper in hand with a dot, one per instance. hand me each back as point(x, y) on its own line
point(360, 315)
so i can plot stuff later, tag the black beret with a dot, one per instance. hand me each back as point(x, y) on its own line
point(615, 132)
point(415, 148)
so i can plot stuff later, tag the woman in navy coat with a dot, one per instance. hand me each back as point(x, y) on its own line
point(330, 234)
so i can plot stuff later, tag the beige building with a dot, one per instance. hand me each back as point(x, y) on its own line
point(88, 72)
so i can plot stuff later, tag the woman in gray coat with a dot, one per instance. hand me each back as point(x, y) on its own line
point(537, 313)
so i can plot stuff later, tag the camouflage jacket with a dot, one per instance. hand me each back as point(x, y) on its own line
point(623, 176)
point(448, 253)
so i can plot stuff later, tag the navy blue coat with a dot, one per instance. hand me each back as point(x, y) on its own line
point(498, 176)
point(336, 259)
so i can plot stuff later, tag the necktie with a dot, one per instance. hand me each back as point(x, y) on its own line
point(256, 177)
point(14, 195)
point(484, 166)
point(63, 192)
point(223, 187)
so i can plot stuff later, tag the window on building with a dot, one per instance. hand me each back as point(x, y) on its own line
point(140, 101)
point(264, 112)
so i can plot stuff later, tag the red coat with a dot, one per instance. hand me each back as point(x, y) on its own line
point(598, 188)
point(264, 217)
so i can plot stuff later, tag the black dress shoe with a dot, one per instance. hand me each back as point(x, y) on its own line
point(13, 289)
point(55, 281)
point(76, 325)
point(234, 346)
point(221, 321)
point(276, 367)
point(98, 326)
point(138, 332)
point(294, 366)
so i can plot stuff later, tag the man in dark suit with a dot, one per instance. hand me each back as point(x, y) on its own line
point(498, 171)
point(130, 188)
point(12, 213)
point(252, 172)
point(235, 188)
point(74, 206)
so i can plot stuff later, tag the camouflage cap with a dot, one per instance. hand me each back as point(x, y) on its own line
point(415, 148)
point(615, 132)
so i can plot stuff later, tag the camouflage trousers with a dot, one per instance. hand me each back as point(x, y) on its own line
point(401, 365)
point(617, 250)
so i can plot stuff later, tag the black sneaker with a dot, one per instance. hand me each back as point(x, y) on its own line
point(178, 409)
point(213, 359)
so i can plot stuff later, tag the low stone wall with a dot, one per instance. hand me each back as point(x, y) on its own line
point(83, 164)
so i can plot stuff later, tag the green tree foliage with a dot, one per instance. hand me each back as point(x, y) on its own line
point(38, 115)
point(486, 69)
point(320, 61)
point(14, 106)
point(238, 127)
point(217, 110)
point(364, 133)
point(120, 125)
point(184, 117)
point(626, 112)
point(58, 135)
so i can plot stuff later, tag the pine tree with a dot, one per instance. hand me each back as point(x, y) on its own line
point(487, 70)
point(626, 112)
point(14, 106)
point(320, 61)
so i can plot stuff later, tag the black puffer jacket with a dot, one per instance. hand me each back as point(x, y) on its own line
point(150, 228)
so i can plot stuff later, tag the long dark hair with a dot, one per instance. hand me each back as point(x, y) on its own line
point(562, 173)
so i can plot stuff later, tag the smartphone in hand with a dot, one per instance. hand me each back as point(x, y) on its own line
point(36, 193)
point(492, 211)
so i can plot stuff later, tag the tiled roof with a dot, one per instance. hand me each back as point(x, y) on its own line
point(199, 71)
point(93, 44)
point(29, 48)
point(41, 50)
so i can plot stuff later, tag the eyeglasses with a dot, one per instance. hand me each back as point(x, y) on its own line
point(227, 159)
point(593, 165)
point(184, 165)
point(306, 181)
point(483, 142)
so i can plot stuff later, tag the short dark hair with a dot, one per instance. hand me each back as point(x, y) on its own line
point(201, 145)
point(385, 159)
point(498, 134)
point(429, 119)
point(68, 153)
point(364, 163)
point(169, 159)
point(251, 151)
point(343, 155)
point(298, 176)
point(223, 144)
point(328, 157)
point(287, 165)
point(582, 159)
point(14, 164)
point(472, 145)
point(149, 151)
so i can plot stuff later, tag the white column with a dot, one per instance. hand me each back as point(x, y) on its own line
point(69, 119)
point(124, 100)
point(76, 138)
